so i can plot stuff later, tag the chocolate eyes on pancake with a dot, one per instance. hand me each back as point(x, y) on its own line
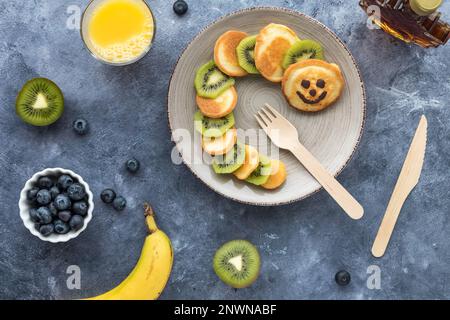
point(319, 83)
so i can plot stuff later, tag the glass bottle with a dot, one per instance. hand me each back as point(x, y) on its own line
point(416, 21)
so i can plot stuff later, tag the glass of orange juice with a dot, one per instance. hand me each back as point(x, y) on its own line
point(118, 32)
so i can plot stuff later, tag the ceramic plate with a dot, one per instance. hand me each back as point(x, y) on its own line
point(331, 135)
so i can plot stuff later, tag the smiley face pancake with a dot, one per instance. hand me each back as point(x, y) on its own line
point(312, 85)
point(272, 43)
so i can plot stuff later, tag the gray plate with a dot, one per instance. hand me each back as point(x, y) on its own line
point(331, 135)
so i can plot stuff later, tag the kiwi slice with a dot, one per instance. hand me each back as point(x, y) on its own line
point(213, 127)
point(40, 102)
point(210, 82)
point(237, 263)
point(262, 173)
point(302, 50)
point(245, 52)
point(231, 161)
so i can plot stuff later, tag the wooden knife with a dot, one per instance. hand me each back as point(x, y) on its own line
point(408, 179)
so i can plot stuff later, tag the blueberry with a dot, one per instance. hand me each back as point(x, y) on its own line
point(76, 192)
point(54, 191)
point(61, 227)
point(34, 215)
point(108, 195)
point(44, 215)
point(180, 7)
point(53, 209)
point(65, 215)
point(133, 165)
point(43, 197)
point(119, 203)
point(342, 278)
point(45, 183)
point(32, 193)
point(62, 202)
point(76, 222)
point(80, 207)
point(46, 229)
point(64, 181)
point(81, 126)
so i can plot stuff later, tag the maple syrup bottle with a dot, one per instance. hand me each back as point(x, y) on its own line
point(416, 21)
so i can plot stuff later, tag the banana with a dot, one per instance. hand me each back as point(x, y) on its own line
point(150, 275)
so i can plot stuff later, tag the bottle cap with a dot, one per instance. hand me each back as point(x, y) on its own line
point(425, 7)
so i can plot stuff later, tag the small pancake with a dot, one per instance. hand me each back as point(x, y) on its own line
point(225, 55)
point(220, 106)
point(312, 85)
point(272, 43)
point(220, 145)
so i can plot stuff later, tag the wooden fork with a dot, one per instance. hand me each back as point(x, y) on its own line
point(285, 136)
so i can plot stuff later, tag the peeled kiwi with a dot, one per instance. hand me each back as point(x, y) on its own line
point(302, 50)
point(231, 161)
point(40, 102)
point(262, 173)
point(237, 263)
point(213, 127)
point(210, 82)
point(245, 52)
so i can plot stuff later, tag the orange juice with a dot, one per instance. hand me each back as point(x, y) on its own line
point(118, 31)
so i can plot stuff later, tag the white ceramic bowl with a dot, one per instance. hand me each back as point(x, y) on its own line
point(24, 206)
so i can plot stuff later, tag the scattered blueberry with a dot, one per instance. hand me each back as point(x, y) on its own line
point(34, 215)
point(62, 202)
point(119, 203)
point(76, 192)
point(53, 209)
point(180, 7)
point(64, 182)
point(43, 197)
point(61, 227)
point(46, 229)
point(54, 191)
point(76, 222)
point(342, 278)
point(108, 195)
point(32, 193)
point(45, 183)
point(44, 215)
point(81, 126)
point(65, 215)
point(133, 165)
point(80, 207)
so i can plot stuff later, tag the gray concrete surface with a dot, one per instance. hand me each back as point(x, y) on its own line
point(302, 245)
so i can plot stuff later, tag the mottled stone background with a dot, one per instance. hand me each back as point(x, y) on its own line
point(302, 245)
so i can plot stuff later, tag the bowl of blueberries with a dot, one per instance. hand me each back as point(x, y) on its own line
point(56, 205)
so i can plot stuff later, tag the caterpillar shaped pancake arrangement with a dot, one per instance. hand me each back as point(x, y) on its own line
point(276, 53)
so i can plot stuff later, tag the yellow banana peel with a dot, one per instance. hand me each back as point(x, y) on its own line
point(152, 271)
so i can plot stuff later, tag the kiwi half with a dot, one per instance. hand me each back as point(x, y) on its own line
point(245, 52)
point(231, 161)
point(302, 50)
point(210, 82)
point(262, 173)
point(211, 127)
point(237, 263)
point(40, 102)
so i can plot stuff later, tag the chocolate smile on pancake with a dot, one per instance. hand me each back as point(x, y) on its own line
point(306, 84)
point(312, 85)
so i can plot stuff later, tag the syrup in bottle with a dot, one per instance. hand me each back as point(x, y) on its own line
point(416, 21)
